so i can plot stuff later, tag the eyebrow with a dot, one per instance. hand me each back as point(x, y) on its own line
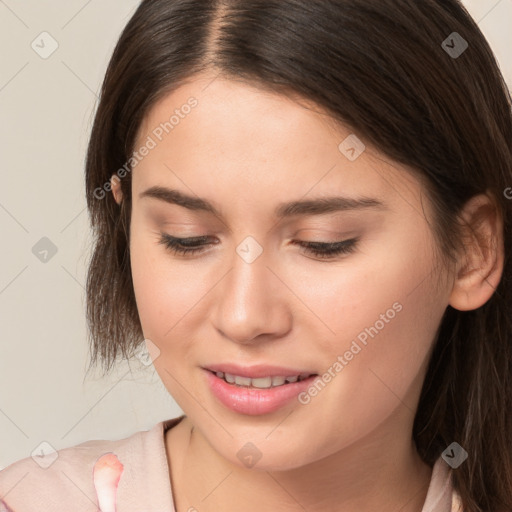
point(318, 206)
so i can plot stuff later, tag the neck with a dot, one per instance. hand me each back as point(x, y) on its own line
point(381, 472)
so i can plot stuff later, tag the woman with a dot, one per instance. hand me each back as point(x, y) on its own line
point(302, 211)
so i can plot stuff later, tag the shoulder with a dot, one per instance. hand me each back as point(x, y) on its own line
point(64, 479)
point(61, 476)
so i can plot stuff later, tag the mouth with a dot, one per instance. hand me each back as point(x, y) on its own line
point(259, 395)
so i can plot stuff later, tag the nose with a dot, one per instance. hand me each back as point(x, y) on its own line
point(252, 302)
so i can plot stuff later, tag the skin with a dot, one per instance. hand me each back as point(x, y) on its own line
point(350, 449)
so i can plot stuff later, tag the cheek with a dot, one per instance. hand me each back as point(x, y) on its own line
point(374, 292)
point(165, 297)
point(384, 314)
point(163, 290)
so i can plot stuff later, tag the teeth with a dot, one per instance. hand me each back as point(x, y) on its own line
point(261, 382)
point(242, 381)
point(278, 381)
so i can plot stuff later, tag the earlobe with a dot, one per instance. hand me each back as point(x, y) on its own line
point(115, 185)
point(481, 265)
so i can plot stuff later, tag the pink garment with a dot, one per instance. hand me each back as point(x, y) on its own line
point(144, 484)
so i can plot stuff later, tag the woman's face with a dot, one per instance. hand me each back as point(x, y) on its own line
point(363, 321)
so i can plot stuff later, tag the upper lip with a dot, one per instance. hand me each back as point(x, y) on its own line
point(257, 371)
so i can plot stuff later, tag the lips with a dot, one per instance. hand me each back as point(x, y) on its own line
point(252, 400)
point(259, 371)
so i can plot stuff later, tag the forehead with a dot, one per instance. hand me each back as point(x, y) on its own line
point(259, 141)
point(225, 104)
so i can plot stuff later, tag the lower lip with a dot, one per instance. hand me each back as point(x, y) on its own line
point(254, 401)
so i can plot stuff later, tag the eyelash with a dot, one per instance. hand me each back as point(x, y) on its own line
point(323, 250)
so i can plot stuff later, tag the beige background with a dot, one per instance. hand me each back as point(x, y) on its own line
point(47, 107)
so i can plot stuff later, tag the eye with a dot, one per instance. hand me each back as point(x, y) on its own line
point(183, 245)
point(329, 249)
point(196, 245)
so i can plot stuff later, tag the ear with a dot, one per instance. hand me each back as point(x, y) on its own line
point(479, 269)
point(115, 185)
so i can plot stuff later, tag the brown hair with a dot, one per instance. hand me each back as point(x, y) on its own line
point(381, 68)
